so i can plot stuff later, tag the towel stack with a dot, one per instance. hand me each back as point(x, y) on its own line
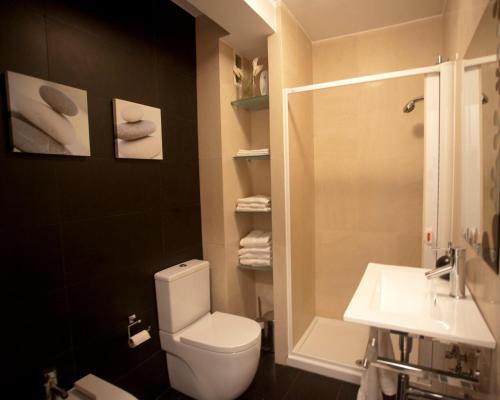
point(250, 153)
point(256, 249)
point(254, 204)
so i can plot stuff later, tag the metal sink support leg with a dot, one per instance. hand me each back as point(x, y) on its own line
point(405, 347)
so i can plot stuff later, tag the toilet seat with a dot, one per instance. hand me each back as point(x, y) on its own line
point(222, 333)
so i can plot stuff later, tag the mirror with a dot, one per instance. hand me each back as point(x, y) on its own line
point(480, 142)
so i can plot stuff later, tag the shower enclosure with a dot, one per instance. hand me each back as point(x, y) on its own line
point(367, 164)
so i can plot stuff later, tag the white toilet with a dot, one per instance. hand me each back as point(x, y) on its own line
point(209, 356)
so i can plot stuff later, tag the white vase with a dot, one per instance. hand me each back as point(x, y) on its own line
point(263, 83)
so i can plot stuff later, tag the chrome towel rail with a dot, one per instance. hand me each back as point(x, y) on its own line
point(450, 378)
point(413, 393)
point(404, 370)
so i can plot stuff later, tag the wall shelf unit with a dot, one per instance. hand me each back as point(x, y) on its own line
point(252, 103)
point(251, 141)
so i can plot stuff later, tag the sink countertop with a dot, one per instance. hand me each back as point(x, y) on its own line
point(402, 299)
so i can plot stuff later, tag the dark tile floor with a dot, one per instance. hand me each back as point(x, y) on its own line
point(278, 382)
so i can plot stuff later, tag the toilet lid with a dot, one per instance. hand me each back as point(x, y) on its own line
point(222, 333)
point(92, 387)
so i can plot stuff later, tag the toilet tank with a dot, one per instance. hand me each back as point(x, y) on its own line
point(182, 294)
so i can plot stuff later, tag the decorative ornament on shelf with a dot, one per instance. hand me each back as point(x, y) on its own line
point(242, 83)
point(238, 75)
point(238, 80)
point(251, 83)
point(264, 83)
point(256, 70)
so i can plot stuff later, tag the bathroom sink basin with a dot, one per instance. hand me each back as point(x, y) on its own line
point(402, 299)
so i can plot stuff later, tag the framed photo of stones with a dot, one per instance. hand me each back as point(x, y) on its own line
point(137, 131)
point(47, 117)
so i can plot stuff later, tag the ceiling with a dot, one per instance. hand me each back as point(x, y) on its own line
point(187, 6)
point(322, 19)
point(248, 23)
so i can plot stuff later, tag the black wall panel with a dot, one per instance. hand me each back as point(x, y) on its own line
point(80, 238)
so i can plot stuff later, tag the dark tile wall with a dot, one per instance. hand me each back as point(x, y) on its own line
point(80, 238)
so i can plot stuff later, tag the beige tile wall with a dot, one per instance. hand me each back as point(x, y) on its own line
point(290, 64)
point(368, 157)
point(410, 45)
point(210, 155)
point(297, 70)
point(302, 204)
point(369, 185)
point(261, 184)
point(461, 19)
point(277, 192)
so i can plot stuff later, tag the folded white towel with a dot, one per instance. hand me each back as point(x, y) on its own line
point(248, 154)
point(369, 388)
point(388, 380)
point(264, 150)
point(258, 199)
point(253, 209)
point(256, 152)
point(254, 205)
point(256, 262)
point(255, 250)
point(253, 244)
point(375, 381)
point(255, 256)
point(256, 238)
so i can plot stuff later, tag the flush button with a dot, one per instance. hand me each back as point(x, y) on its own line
point(183, 265)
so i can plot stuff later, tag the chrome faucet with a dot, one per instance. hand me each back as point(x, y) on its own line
point(456, 268)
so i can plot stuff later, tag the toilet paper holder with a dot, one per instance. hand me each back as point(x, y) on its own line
point(132, 320)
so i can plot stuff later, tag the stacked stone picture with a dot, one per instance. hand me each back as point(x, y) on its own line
point(47, 117)
point(137, 130)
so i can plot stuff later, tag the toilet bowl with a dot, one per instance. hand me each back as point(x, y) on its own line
point(209, 356)
point(214, 358)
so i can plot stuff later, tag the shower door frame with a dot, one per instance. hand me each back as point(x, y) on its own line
point(438, 183)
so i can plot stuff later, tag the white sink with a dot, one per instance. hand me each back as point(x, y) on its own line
point(402, 299)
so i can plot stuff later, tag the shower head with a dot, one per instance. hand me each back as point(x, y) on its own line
point(410, 106)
